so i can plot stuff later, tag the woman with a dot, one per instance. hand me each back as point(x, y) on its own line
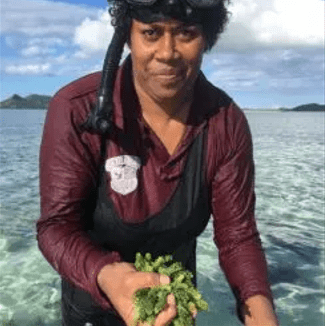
point(144, 169)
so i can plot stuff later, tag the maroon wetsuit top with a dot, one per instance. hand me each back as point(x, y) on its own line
point(69, 169)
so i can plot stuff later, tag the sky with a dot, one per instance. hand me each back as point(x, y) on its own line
point(271, 54)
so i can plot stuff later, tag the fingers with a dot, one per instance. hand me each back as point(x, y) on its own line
point(168, 313)
point(193, 310)
point(126, 282)
point(145, 279)
point(166, 316)
point(164, 279)
point(138, 280)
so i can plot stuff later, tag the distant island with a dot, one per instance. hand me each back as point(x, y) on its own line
point(29, 102)
point(41, 102)
point(313, 107)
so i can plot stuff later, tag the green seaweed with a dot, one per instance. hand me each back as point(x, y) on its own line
point(149, 302)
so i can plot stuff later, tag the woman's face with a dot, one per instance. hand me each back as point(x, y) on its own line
point(166, 58)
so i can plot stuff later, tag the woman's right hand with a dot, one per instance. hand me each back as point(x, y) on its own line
point(120, 281)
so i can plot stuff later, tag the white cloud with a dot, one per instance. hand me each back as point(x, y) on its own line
point(29, 69)
point(31, 51)
point(48, 41)
point(35, 50)
point(60, 59)
point(40, 17)
point(71, 40)
point(274, 24)
point(254, 24)
point(94, 35)
point(81, 55)
point(285, 71)
point(39, 46)
point(237, 77)
point(41, 33)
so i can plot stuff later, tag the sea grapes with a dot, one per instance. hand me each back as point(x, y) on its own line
point(149, 302)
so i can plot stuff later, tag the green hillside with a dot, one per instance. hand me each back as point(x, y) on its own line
point(29, 102)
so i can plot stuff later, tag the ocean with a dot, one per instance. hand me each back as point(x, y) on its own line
point(289, 156)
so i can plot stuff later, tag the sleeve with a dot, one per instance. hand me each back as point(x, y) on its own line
point(241, 255)
point(68, 173)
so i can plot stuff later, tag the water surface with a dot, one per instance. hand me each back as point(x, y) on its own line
point(289, 156)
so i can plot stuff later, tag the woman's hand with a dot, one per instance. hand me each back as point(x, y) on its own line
point(120, 281)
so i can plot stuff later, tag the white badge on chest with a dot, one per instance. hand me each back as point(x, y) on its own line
point(123, 172)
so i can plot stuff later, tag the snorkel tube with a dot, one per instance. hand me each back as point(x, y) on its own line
point(99, 120)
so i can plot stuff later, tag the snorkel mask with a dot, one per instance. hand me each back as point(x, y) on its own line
point(99, 120)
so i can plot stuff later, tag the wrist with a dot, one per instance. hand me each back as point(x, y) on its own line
point(258, 311)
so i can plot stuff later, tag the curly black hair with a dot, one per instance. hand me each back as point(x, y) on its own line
point(213, 19)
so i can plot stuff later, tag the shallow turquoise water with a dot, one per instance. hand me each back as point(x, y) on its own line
point(289, 156)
